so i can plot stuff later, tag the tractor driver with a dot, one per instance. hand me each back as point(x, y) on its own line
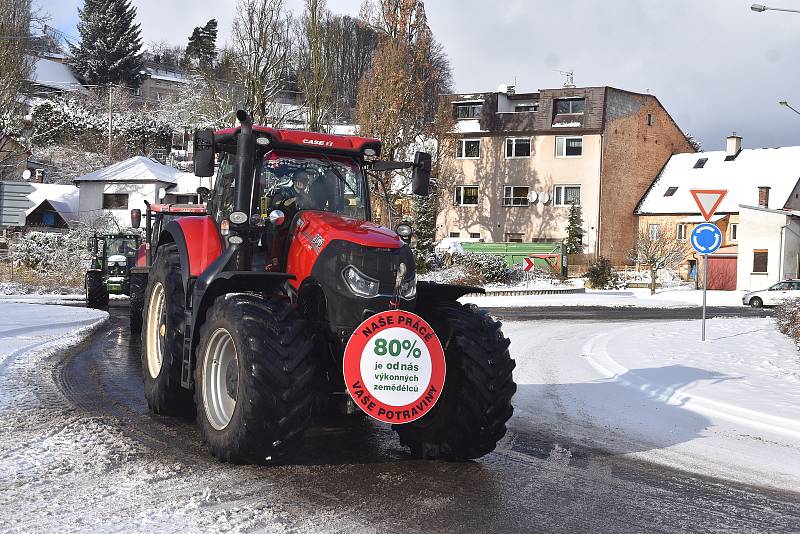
point(297, 197)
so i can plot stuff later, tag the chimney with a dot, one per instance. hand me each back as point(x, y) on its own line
point(733, 145)
point(763, 197)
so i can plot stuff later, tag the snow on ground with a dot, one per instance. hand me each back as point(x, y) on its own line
point(667, 298)
point(726, 407)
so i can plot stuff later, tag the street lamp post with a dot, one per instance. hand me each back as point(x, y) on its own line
point(760, 8)
point(785, 104)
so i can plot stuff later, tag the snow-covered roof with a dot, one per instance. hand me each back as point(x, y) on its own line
point(776, 168)
point(187, 184)
point(468, 126)
point(56, 75)
point(136, 169)
point(63, 198)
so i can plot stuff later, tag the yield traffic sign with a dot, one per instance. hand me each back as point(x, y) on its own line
point(708, 200)
point(706, 238)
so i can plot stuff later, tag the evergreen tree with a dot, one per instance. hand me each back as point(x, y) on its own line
point(109, 49)
point(425, 210)
point(574, 230)
point(203, 44)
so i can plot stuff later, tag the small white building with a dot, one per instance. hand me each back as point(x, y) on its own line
point(54, 206)
point(769, 247)
point(125, 186)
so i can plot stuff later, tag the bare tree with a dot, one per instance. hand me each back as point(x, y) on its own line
point(658, 251)
point(261, 40)
point(16, 65)
point(398, 96)
point(314, 62)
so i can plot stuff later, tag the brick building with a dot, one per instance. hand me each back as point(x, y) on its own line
point(521, 160)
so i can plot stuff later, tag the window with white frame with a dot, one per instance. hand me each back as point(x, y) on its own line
point(569, 147)
point(734, 231)
point(681, 232)
point(515, 195)
point(466, 195)
point(514, 237)
point(455, 234)
point(654, 231)
point(567, 195)
point(468, 110)
point(468, 149)
point(474, 235)
point(518, 147)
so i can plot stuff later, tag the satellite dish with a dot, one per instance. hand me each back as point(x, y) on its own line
point(544, 196)
point(162, 193)
point(533, 196)
point(26, 174)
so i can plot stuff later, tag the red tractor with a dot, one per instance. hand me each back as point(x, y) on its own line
point(248, 308)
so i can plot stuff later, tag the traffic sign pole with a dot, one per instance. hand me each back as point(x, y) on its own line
point(705, 287)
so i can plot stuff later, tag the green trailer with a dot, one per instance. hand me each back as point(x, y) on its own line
point(550, 256)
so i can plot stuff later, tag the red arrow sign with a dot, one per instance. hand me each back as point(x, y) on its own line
point(527, 265)
point(708, 200)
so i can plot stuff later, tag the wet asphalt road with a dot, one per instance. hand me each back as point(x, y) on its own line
point(536, 481)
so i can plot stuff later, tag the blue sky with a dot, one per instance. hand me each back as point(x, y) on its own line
point(714, 64)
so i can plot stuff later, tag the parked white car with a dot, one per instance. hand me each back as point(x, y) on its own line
point(788, 289)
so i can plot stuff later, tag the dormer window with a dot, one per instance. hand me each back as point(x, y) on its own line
point(470, 110)
point(570, 106)
point(700, 163)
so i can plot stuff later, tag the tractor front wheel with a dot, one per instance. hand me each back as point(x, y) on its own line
point(470, 417)
point(162, 336)
point(253, 379)
point(96, 292)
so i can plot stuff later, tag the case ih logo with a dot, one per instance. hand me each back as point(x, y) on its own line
point(317, 142)
point(318, 241)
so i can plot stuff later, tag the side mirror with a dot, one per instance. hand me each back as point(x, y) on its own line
point(421, 178)
point(136, 218)
point(204, 193)
point(204, 153)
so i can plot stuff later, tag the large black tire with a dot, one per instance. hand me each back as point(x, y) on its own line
point(271, 382)
point(138, 287)
point(470, 417)
point(756, 302)
point(96, 292)
point(162, 336)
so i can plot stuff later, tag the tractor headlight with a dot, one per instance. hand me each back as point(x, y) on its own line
point(408, 288)
point(359, 283)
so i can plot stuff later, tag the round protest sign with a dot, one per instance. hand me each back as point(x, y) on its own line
point(394, 367)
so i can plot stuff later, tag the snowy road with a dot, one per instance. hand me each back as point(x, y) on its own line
point(81, 453)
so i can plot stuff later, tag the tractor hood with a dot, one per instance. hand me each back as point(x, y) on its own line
point(322, 227)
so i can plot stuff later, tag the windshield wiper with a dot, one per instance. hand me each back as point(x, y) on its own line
point(338, 174)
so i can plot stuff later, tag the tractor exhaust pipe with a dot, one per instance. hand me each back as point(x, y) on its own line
point(245, 163)
point(245, 166)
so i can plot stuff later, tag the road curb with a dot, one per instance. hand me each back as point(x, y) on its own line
point(526, 292)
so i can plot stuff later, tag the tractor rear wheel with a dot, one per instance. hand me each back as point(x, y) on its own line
point(470, 417)
point(162, 336)
point(138, 286)
point(96, 292)
point(253, 379)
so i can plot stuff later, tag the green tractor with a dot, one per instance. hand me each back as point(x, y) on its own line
point(113, 256)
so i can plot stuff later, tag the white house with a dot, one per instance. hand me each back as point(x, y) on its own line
point(765, 178)
point(769, 247)
point(124, 186)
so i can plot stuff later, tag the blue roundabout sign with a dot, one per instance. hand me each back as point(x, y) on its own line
point(706, 238)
